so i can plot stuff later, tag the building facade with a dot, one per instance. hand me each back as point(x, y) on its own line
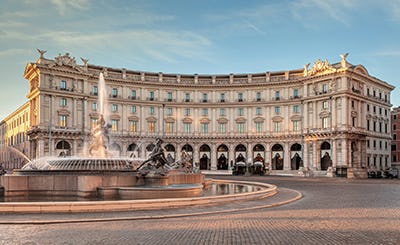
point(14, 141)
point(324, 117)
point(395, 127)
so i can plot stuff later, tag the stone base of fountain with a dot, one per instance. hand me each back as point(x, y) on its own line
point(94, 184)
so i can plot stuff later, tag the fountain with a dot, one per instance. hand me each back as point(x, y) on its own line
point(100, 176)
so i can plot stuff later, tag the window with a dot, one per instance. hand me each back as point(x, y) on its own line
point(133, 94)
point(240, 111)
point(374, 109)
point(133, 109)
point(240, 127)
point(94, 106)
point(205, 97)
point(259, 127)
point(169, 111)
point(380, 111)
point(114, 92)
point(394, 136)
point(187, 127)
point(354, 121)
point(62, 121)
point(187, 112)
point(296, 126)
point(380, 127)
point(367, 143)
point(222, 112)
point(258, 96)
point(277, 95)
point(368, 91)
point(368, 124)
point(151, 110)
point(151, 95)
point(187, 97)
point(374, 126)
point(169, 127)
point(63, 102)
point(325, 104)
point(352, 104)
point(325, 88)
point(295, 93)
point(386, 128)
point(114, 108)
point(222, 128)
point(133, 126)
point(296, 109)
point(63, 85)
point(222, 97)
point(394, 126)
point(95, 90)
point(152, 127)
point(240, 97)
point(258, 111)
point(204, 128)
point(367, 107)
point(277, 109)
point(114, 125)
point(204, 112)
point(394, 147)
point(277, 126)
point(325, 122)
point(169, 96)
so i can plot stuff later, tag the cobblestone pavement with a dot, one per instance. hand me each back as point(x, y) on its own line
point(332, 211)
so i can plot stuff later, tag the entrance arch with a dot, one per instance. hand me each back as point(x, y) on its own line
point(63, 148)
point(258, 154)
point(295, 162)
point(188, 149)
point(133, 151)
point(222, 157)
point(240, 154)
point(326, 160)
point(115, 150)
point(205, 156)
point(277, 157)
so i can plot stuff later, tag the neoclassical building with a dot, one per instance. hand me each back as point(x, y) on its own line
point(321, 117)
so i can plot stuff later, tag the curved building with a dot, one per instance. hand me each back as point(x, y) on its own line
point(329, 118)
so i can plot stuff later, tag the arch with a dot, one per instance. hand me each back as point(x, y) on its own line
point(326, 162)
point(170, 152)
point(223, 157)
point(205, 148)
point(240, 147)
point(295, 147)
point(222, 148)
point(325, 146)
point(187, 148)
point(277, 157)
point(258, 147)
point(150, 147)
point(169, 148)
point(132, 147)
point(63, 145)
point(296, 162)
point(115, 149)
point(205, 157)
point(133, 150)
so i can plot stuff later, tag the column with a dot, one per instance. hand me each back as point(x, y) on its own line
point(334, 154)
point(345, 153)
point(196, 158)
point(305, 157)
point(213, 158)
point(286, 156)
point(268, 155)
point(231, 154)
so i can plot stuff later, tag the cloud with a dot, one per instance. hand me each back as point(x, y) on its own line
point(12, 52)
point(63, 6)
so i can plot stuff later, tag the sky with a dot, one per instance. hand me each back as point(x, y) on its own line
point(203, 37)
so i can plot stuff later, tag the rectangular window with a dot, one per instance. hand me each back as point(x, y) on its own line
point(325, 88)
point(277, 109)
point(368, 124)
point(296, 109)
point(296, 126)
point(222, 112)
point(277, 95)
point(151, 110)
point(295, 93)
point(222, 97)
point(63, 85)
point(205, 97)
point(151, 95)
point(258, 96)
point(325, 122)
point(133, 94)
point(258, 111)
point(367, 107)
point(152, 127)
point(325, 104)
point(222, 128)
point(94, 122)
point(133, 126)
point(63, 102)
point(354, 119)
point(277, 126)
point(63, 121)
point(187, 97)
point(169, 96)
point(240, 97)
point(187, 128)
point(133, 109)
point(240, 111)
point(114, 92)
point(114, 125)
point(240, 126)
point(187, 112)
point(204, 112)
point(259, 127)
point(169, 127)
point(95, 90)
point(114, 108)
point(169, 111)
point(204, 128)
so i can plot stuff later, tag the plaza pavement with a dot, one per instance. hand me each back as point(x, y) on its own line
point(331, 211)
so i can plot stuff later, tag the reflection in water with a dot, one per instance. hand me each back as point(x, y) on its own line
point(214, 189)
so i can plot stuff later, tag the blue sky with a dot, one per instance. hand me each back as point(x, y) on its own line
point(204, 37)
